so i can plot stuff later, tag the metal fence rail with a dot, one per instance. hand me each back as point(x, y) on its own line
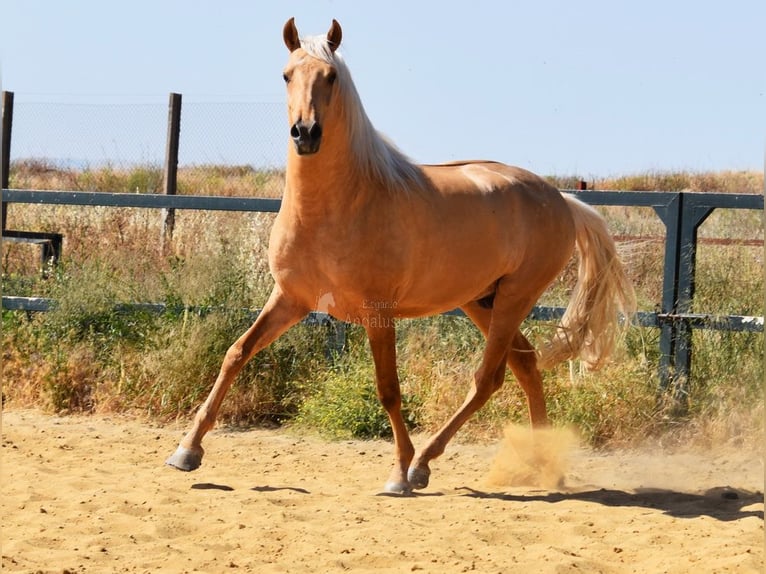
point(736, 323)
point(146, 200)
point(681, 212)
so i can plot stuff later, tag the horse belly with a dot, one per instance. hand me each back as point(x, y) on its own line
point(444, 285)
point(462, 256)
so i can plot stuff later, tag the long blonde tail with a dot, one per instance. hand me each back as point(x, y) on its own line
point(591, 322)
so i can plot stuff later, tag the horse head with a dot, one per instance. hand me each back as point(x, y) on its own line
point(311, 85)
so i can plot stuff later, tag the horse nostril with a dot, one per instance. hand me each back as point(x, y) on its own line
point(295, 131)
point(315, 131)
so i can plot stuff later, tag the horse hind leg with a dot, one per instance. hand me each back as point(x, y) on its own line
point(500, 325)
point(486, 382)
point(522, 360)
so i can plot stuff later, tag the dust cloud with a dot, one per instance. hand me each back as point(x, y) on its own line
point(538, 458)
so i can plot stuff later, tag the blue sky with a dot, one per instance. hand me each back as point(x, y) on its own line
point(558, 87)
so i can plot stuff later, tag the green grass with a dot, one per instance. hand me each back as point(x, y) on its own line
point(341, 401)
point(90, 356)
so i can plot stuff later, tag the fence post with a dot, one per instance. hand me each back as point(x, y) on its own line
point(5, 159)
point(171, 170)
point(682, 217)
point(670, 215)
point(693, 214)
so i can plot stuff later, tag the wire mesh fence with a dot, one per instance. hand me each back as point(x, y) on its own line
point(89, 135)
point(234, 133)
point(122, 137)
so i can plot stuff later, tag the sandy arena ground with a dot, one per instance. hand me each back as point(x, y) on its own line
point(91, 494)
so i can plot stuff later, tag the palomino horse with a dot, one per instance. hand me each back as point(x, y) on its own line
point(371, 237)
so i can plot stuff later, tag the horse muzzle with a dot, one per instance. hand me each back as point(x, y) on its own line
point(306, 137)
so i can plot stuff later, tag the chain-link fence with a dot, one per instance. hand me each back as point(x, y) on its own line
point(234, 133)
point(125, 136)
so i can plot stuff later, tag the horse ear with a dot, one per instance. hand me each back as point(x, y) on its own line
point(334, 35)
point(290, 35)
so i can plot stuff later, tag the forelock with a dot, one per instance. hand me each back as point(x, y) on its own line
point(319, 47)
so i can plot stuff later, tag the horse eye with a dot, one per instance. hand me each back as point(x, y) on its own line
point(331, 77)
point(286, 78)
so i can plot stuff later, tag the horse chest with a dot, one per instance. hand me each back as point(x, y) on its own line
point(334, 268)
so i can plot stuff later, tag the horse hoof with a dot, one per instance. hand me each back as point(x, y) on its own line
point(185, 459)
point(418, 476)
point(396, 487)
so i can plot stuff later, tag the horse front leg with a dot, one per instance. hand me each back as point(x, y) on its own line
point(383, 346)
point(278, 315)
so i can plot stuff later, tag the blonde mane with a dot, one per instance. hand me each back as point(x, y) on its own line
point(374, 155)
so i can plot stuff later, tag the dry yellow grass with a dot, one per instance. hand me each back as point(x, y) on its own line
point(95, 361)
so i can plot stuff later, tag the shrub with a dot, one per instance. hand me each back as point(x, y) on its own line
point(92, 354)
point(342, 402)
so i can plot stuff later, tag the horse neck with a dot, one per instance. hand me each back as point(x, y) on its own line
point(322, 185)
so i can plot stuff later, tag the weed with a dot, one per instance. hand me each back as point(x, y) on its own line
point(92, 354)
point(342, 402)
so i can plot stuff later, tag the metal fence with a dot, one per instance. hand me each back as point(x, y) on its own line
point(681, 212)
point(127, 134)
